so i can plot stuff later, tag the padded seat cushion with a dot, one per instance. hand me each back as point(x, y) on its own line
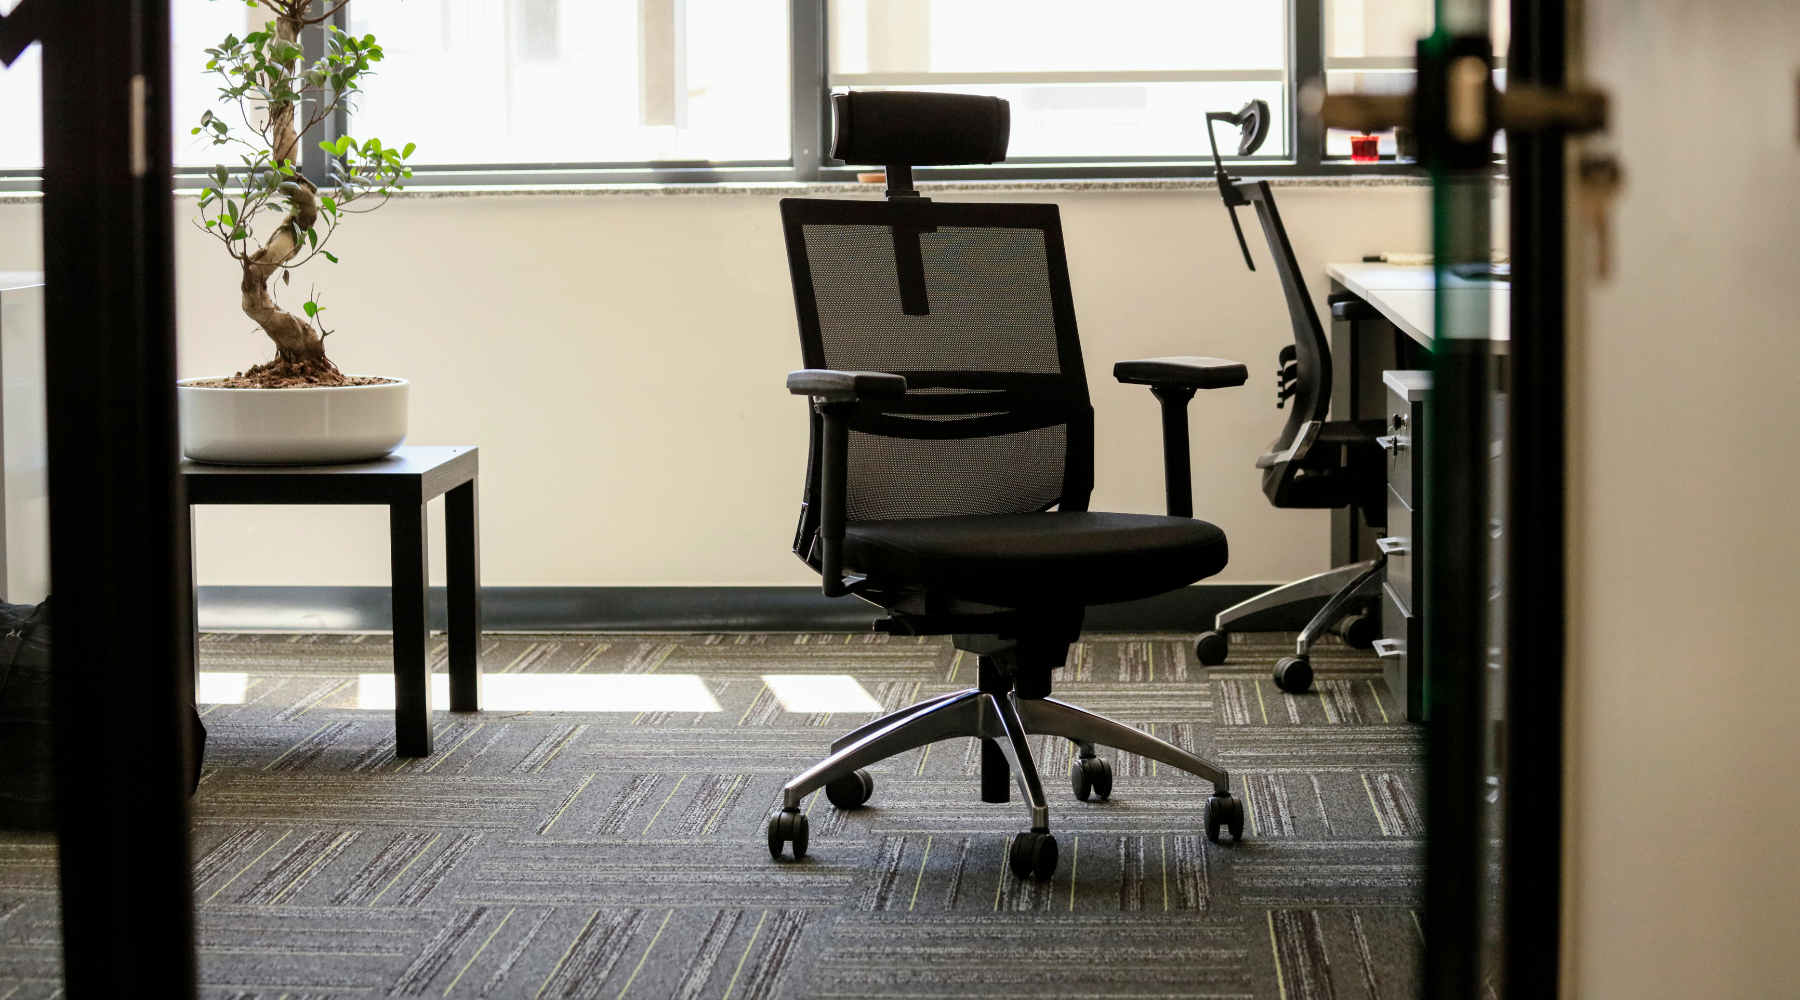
point(1058, 559)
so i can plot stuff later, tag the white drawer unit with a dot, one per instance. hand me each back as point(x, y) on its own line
point(24, 493)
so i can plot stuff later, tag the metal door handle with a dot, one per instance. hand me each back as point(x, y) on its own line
point(1393, 442)
point(1388, 649)
point(1392, 546)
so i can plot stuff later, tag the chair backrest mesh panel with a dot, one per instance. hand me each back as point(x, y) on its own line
point(996, 418)
point(893, 477)
point(988, 288)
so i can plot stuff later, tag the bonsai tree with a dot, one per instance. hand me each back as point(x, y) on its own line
point(278, 98)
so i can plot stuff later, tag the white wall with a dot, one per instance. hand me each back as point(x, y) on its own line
point(619, 360)
point(1685, 777)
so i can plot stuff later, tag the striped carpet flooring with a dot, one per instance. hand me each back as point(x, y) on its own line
point(547, 851)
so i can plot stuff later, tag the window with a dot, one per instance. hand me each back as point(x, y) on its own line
point(555, 91)
point(21, 112)
point(197, 27)
point(578, 81)
point(1369, 48)
point(1115, 81)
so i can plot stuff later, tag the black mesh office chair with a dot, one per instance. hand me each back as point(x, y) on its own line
point(952, 458)
point(1315, 462)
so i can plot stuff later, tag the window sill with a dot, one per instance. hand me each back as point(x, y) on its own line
point(928, 188)
point(838, 190)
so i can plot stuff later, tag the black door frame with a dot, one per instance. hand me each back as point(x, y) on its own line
point(123, 687)
point(1536, 635)
point(1485, 936)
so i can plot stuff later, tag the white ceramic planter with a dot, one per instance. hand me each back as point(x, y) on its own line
point(316, 426)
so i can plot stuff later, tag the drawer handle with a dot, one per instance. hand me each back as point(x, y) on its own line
point(1392, 546)
point(1393, 442)
point(1388, 649)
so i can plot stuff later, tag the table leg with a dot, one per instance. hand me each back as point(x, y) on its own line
point(196, 741)
point(185, 543)
point(462, 542)
point(411, 604)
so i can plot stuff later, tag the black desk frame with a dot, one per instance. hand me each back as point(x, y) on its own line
point(404, 482)
point(1364, 343)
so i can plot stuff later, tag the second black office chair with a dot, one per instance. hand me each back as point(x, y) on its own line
point(1315, 462)
point(952, 458)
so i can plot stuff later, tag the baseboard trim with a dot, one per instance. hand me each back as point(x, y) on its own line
point(652, 609)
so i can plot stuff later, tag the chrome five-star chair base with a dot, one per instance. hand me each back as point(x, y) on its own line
point(1002, 719)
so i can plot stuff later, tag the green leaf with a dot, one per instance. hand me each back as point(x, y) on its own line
point(329, 203)
point(408, 151)
point(329, 256)
point(312, 308)
point(312, 238)
point(343, 145)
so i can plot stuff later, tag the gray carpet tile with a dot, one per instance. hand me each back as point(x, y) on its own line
point(543, 853)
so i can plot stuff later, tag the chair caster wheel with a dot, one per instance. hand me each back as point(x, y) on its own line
point(1293, 674)
point(1360, 631)
point(1091, 774)
point(784, 827)
point(1212, 648)
point(851, 790)
point(1033, 856)
point(1224, 811)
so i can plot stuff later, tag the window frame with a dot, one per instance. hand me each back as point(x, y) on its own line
point(1305, 61)
point(810, 125)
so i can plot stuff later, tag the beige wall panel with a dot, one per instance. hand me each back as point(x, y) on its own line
point(619, 361)
point(1685, 782)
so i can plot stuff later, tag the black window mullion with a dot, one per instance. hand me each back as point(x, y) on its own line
point(808, 91)
point(1306, 62)
point(313, 162)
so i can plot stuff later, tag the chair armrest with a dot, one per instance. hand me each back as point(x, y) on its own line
point(836, 396)
point(1182, 373)
point(1173, 381)
point(837, 386)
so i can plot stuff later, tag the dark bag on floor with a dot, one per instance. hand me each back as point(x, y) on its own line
point(27, 794)
point(26, 800)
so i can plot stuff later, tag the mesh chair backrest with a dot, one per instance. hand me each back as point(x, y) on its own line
point(1312, 352)
point(971, 303)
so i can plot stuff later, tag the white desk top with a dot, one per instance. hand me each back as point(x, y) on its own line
point(1404, 294)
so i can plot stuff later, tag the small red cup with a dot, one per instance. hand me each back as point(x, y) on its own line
point(1365, 148)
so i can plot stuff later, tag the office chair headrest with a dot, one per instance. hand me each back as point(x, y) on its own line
point(918, 129)
point(1252, 120)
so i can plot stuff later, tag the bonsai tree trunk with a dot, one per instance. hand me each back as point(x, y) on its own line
point(299, 349)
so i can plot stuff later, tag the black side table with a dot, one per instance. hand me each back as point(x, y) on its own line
point(404, 481)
